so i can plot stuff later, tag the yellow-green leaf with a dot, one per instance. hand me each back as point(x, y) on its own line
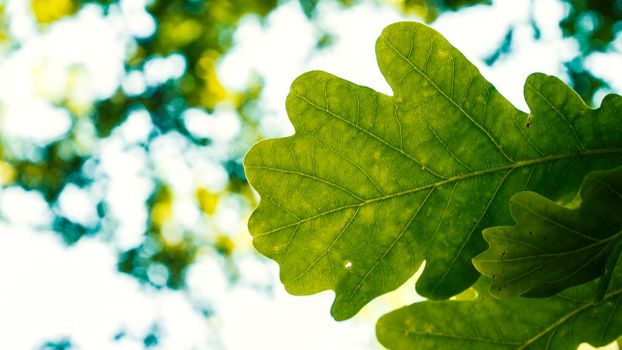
point(372, 185)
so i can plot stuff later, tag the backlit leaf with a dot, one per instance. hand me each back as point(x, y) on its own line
point(372, 185)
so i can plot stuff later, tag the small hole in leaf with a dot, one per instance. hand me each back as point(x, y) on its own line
point(348, 265)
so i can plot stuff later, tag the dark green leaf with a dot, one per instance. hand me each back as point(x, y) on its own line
point(554, 247)
point(561, 322)
point(371, 185)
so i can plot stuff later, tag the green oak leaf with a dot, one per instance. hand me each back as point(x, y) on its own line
point(372, 185)
point(554, 247)
point(560, 322)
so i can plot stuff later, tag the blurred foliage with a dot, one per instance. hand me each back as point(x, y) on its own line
point(61, 344)
point(504, 48)
point(162, 258)
point(4, 36)
point(203, 31)
point(207, 200)
point(46, 11)
point(55, 166)
point(594, 24)
point(197, 34)
point(429, 10)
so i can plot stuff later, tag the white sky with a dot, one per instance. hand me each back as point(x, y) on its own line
point(49, 291)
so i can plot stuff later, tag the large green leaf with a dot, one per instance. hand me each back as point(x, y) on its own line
point(371, 185)
point(554, 247)
point(561, 322)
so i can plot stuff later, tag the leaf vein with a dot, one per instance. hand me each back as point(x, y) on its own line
point(460, 109)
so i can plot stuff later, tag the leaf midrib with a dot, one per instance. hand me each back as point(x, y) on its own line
point(557, 223)
point(451, 336)
point(453, 179)
point(567, 317)
point(557, 254)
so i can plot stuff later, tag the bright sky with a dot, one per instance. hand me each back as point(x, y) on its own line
point(49, 291)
